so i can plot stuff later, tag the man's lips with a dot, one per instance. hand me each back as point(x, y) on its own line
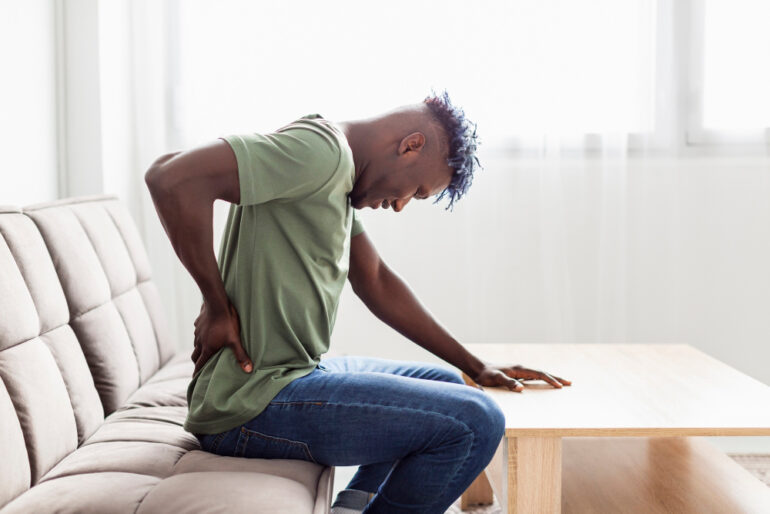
point(384, 204)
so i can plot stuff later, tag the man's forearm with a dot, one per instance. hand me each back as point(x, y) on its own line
point(392, 301)
point(188, 222)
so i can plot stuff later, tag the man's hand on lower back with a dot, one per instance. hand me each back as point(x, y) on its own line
point(214, 330)
point(506, 376)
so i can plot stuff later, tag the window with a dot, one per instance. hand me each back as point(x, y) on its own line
point(520, 69)
point(736, 82)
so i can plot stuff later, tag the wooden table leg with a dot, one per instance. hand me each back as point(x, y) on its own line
point(479, 492)
point(525, 474)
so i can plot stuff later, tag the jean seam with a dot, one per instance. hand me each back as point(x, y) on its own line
point(303, 445)
point(241, 443)
point(377, 405)
point(217, 441)
point(298, 403)
point(446, 484)
point(460, 467)
point(423, 411)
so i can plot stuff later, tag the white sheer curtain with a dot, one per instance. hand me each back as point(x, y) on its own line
point(545, 80)
point(136, 66)
point(595, 218)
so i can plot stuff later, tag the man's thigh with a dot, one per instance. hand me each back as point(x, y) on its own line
point(344, 419)
point(359, 364)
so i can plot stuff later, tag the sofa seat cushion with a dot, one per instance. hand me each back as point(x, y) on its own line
point(306, 473)
point(148, 440)
point(228, 491)
point(162, 393)
point(141, 457)
point(145, 460)
point(167, 387)
point(149, 424)
point(90, 493)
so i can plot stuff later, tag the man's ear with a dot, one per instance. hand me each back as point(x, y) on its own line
point(414, 142)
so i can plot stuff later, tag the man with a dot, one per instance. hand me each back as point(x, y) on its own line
point(260, 387)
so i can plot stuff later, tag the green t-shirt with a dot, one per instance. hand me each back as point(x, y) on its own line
point(283, 258)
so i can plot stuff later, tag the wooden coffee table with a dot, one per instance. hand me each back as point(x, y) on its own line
point(623, 436)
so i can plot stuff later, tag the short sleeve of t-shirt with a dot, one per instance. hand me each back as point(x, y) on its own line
point(358, 226)
point(289, 164)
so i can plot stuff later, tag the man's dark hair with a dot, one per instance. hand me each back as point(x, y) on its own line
point(462, 139)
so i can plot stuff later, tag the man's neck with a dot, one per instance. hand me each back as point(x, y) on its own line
point(356, 132)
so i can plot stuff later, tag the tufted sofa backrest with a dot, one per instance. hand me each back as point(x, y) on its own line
point(81, 328)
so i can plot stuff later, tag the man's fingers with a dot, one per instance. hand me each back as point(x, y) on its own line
point(511, 383)
point(515, 385)
point(234, 312)
point(548, 378)
point(240, 356)
point(202, 359)
point(522, 373)
point(519, 373)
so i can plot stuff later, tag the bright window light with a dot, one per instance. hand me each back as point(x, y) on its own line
point(517, 68)
point(736, 87)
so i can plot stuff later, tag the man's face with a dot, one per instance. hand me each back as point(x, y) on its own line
point(395, 182)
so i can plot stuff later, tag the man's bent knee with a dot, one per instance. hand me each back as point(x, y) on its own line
point(449, 375)
point(485, 417)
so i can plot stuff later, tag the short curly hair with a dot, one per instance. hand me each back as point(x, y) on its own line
point(462, 139)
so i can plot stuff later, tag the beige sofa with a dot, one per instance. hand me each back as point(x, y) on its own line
point(92, 392)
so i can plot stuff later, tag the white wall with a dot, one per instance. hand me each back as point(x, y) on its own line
point(27, 103)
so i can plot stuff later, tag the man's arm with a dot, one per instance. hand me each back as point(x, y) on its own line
point(184, 186)
point(392, 301)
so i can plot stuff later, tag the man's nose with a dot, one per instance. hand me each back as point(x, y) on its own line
point(400, 204)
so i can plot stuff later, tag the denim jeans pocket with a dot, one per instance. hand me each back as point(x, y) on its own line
point(210, 442)
point(252, 444)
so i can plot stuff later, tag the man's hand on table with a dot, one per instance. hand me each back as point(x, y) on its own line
point(214, 330)
point(506, 376)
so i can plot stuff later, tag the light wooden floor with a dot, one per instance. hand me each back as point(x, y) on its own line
point(756, 464)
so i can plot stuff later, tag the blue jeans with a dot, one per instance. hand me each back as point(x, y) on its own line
point(419, 435)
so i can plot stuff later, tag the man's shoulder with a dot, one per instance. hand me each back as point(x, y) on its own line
point(321, 134)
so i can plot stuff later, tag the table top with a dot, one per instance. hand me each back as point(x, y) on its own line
point(627, 390)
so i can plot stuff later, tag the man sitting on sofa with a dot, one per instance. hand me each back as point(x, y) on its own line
point(418, 433)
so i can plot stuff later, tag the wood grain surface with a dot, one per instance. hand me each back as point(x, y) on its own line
point(627, 390)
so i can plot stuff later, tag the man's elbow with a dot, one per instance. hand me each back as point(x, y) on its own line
point(152, 178)
point(157, 177)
